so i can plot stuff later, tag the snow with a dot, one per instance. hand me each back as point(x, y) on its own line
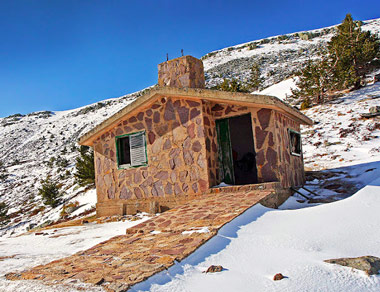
point(197, 230)
point(263, 242)
point(281, 90)
point(278, 57)
point(325, 145)
point(31, 249)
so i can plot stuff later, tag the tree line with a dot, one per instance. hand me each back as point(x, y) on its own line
point(342, 64)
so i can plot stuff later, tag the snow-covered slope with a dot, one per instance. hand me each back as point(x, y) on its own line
point(277, 56)
point(41, 144)
point(341, 137)
point(263, 242)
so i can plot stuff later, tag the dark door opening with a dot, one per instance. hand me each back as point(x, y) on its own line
point(237, 157)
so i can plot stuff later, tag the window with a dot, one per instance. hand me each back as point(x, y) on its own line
point(131, 150)
point(295, 142)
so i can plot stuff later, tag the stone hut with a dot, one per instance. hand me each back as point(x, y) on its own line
point(180, 140)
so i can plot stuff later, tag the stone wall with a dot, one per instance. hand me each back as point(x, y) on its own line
point(291, 168)
point(183, 72)
point(273, 159)
point(176, 160)
point(182, 155)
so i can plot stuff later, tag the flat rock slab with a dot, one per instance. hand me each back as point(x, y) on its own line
point(149, 247)
point(368, 264)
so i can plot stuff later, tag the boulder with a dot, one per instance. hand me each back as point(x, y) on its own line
point(368, 264)
point(278, 277)
point(214, 269)
point(374, 109)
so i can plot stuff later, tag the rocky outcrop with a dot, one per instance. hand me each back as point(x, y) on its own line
point(369, 264)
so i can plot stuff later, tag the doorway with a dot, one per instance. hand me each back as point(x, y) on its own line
point(236, 150)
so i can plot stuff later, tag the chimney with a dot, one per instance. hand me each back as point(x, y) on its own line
point(182, 72)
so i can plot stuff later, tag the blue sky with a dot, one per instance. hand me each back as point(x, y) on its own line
point(58, 55)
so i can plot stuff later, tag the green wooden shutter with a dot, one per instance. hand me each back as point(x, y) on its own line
point(225, 151)
point(138, 149)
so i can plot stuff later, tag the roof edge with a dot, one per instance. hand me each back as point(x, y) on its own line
point(194, 93)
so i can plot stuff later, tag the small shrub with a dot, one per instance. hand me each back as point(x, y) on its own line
point(265, 41)
point(232, 85)
point(282, 37)
point(50, 192)
point(305, 104)
point(69, 208)
point(3, 212)
point(3, 176)
point(51, 162)
point(252, 46)
point(15, 162)
point(62, 162)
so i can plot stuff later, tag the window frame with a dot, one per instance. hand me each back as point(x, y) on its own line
point(129, 166)
point(290, 142)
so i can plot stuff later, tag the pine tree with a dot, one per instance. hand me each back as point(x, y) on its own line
point(85, 175)
point(50, 193)
point(352, 51)
point(232, 85)
point(255, 79)
point(315, 80)
point(341, 65)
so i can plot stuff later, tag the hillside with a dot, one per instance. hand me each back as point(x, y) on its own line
point(278, 56)
point(38, 144)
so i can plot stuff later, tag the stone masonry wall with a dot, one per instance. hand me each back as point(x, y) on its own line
point(291, 168)
point(270, 140)
point(176, 159)
point(183, 72)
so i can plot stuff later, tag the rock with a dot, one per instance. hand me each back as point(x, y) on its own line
point(197, 146)
point(96, 281)
point(183, 113)
point(374, 109)
point(156, 117)
point(194, 113)
point(151, 137)
point(158, 189)
point(118, 287)
point(213, 269)
point(278, 277)
point(264, 117)
point(368, 264)
point(169, 113)
point(260, 137)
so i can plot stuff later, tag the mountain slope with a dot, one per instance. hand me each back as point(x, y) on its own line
point(277, 56)
point(45, 143)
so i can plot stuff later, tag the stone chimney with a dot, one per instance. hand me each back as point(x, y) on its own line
point(182, 72)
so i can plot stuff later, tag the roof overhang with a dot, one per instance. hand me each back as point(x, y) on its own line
point(235, 98)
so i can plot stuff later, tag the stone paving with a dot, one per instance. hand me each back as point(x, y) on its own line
point(151, 246)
